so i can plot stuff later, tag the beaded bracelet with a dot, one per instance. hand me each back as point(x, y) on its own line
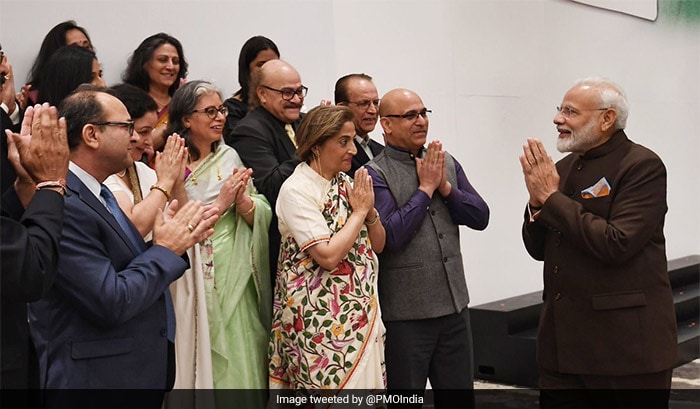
point(162, 189)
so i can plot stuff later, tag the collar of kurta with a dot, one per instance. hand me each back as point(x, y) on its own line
point(398, 153)
point(616, 140)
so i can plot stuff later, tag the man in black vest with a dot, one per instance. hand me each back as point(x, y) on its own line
point(357, 91)
point(423, 196)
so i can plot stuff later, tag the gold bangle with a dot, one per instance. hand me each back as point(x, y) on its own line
point(162, 189)
point(373, 221)
point(251, 210)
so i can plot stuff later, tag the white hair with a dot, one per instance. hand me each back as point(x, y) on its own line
point(611, 96)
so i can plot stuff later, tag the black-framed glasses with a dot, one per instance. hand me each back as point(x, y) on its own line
point(569, 112)
point(288, 93)
point(412, 115)
point(365, 103)
point(212, 111)
point(128, 124)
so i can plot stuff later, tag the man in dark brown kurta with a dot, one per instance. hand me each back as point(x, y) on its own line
point(607, 332)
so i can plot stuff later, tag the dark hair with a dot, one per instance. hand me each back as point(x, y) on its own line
point(318, 125)
point(249, 52)
point(67, 68)
point(341, 86)
point(55, 39)
point(80, 108)
point(136, 100)
point(183, 103)
point(135, 73)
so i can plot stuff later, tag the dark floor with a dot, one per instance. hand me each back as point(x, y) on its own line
point(684, 395)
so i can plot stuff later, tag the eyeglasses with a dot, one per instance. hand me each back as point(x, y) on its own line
point(212, 111)
point(288, 93)
point(128, 124)
point(365, 103)
point(569, 112)
point(412, 115)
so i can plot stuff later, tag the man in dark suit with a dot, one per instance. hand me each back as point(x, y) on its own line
point(607, 331)
point(357, 91)
point(107, 322)
point(264, 138)
point(30, 238)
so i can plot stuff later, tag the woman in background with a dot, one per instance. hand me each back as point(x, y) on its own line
point(228, 285)
point(158, 66)
point(327, 331)
point(139, 190)
point(62, 34)
point(67, 68)
point(255, 52)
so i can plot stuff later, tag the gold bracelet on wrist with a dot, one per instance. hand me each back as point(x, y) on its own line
point(373, 221)
point(162, 189)
point(251, 210)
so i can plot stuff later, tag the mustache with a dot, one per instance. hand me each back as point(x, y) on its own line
point(292, 105)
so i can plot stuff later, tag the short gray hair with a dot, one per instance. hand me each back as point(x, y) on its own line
point(611, 96)
point(185, 101)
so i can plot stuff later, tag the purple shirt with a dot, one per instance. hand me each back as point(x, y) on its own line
point(401, 223)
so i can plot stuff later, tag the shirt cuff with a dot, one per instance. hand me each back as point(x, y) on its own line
point(14, 117)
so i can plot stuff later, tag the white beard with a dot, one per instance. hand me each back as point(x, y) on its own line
point(579, 141)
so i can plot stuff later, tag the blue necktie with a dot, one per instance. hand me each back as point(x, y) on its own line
point(138, 243)
point(121, 219)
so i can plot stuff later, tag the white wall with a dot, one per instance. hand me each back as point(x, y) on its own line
point(491, 70)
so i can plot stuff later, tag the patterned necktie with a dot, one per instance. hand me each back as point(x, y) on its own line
point(290, 132)
point(138, 243)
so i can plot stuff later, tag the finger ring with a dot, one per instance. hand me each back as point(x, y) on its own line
point(190, 227)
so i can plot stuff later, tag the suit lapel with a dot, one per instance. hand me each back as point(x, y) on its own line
point(375, 147)
point(359, 159)
point(279, 133)
point(78, 188)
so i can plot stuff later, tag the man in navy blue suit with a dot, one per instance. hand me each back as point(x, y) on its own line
point(108, 323)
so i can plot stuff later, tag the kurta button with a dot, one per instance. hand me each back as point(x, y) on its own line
point(441, 236)
point(432, 213)
point(556, 269)
point(557, 297)
point(580, 166)
point(444, 260)
point(163, 333)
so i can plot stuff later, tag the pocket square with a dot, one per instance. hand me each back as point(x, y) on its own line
point(600, 189)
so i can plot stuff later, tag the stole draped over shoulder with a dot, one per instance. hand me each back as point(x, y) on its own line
point(223, 303)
